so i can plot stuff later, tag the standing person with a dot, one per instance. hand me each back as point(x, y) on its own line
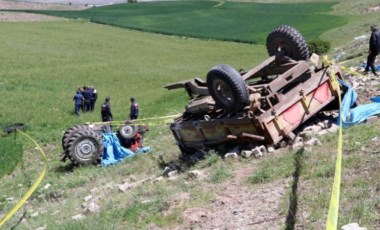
point(106, 110)
point(374, 50)
point(80, 89)
point(106, 113)
point(133, 115)
point(94, 95)
point(78, 98)
point(87, 98)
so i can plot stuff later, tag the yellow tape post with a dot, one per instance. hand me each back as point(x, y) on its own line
point(31, 189)
point(332, 216)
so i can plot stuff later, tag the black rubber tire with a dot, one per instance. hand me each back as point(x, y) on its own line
point(227, 88)
point(70, 132)
point(290, 41)
point(85, 147)
point(128, 131)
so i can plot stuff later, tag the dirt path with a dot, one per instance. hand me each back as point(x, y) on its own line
point(239, 205)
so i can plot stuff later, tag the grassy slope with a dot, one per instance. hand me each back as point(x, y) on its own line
point(355, 12)
point(66, 63)
point(209, 19)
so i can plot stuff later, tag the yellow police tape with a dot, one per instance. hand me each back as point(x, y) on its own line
point(332, 217)
point(147, 121)
point(31, 190)
point(152, 121)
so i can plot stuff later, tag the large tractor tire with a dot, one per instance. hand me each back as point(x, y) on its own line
point(85, 147)
point(289, 42)
point(227, 88)
point(70, 132)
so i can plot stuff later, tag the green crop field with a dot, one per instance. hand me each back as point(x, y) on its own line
point(231, 21)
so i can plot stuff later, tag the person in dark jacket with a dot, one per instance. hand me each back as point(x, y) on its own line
point(374, 50)
point(106, 110)
point(94, 97)
point(134, 113)
point(87, 98)
point(78, 98)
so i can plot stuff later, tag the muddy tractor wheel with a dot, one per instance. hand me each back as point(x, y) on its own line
point(128, 131)
point(289, 42)
point(70, 132)
point(227, 88)
point(85, 147)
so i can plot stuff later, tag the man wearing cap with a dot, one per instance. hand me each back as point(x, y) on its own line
point(134, 109)
point(106, 110)
point(374, 50)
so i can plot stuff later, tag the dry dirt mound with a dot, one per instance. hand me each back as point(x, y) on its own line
point(17, 16)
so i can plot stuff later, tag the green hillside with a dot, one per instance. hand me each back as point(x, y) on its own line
point(43, 63)
point(230, 21)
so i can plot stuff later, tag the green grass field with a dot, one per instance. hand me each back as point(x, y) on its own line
point(230, 21)
point(10, 154)
point(42, 65)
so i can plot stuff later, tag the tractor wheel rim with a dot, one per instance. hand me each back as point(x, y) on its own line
point(85, 149)
point(224, 91)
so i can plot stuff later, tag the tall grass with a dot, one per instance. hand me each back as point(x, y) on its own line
point(312, 173)
point(10, 154)
point(230, 21)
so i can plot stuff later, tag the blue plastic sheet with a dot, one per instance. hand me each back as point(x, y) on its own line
point(377, 67)
point(115, 153)
point(352, 116)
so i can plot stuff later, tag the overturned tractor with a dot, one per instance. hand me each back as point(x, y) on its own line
point(261, 106)
point(83, 144)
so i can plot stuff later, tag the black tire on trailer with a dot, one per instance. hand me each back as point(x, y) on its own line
point(228, 88)
point(289, 41)
point(70, 132)
point(128, 131)
point(85, 147)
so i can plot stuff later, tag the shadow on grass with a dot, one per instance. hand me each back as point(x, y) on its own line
point(69, 167)
point(183, 163)
point(293, 197)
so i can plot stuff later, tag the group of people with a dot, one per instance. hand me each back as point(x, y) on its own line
point(106, 113)
point(85, 99)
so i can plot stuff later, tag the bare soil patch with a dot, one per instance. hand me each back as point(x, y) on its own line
point(22, 17)
point(240, 205)
point(373, 9)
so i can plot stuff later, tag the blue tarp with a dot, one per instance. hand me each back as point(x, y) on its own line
point(377, 67)
point(358, 114)
point(114, 152)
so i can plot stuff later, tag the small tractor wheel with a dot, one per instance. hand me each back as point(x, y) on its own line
point(85, 147)
point(70, 132)
point(289, 42)
point(227, 88)
point(127, 131)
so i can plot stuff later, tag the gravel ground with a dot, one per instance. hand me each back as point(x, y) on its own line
point(21, 17)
